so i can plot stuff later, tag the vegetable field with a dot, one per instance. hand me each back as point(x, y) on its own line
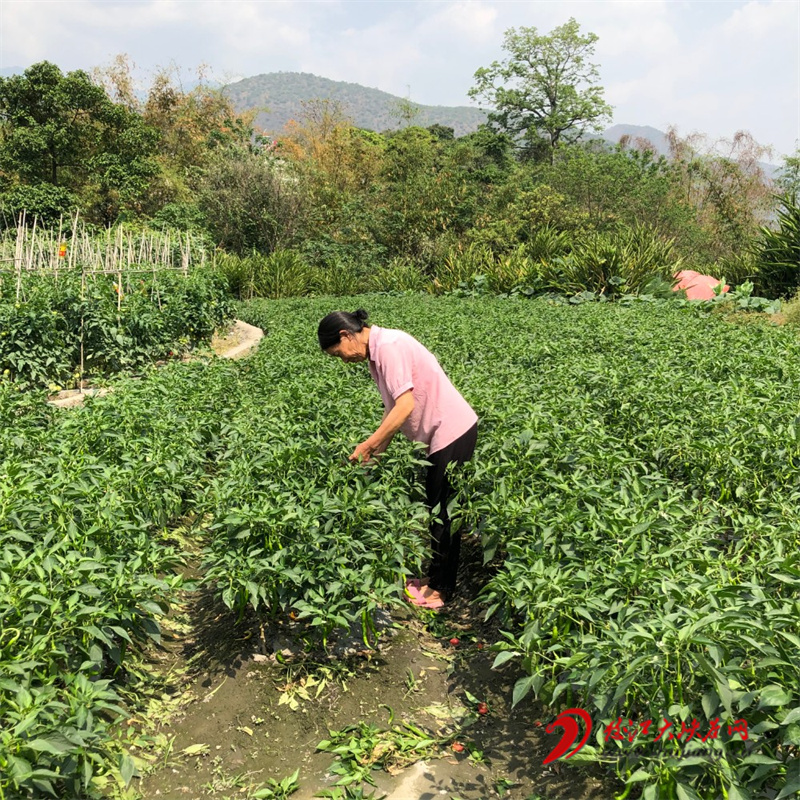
point(636, 487)
point(58, 328)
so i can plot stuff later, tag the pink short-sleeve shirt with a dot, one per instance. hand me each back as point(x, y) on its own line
point(397, 363)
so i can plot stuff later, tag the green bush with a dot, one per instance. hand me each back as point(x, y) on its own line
point(399, 275)
point(613, 263)
point(40, 335)
point(737, 269)
point(337, 278)
point(283, 273)
point(45, 203)
point(238, 273)
point(777, 253)
point(461, 264)
point(548, 242)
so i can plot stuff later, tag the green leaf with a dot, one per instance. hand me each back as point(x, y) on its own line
point(56, 744)
point(21, 769)
point(757, 758)
point(737, 793)
point(790, 789)
point(710, 703)
point(521, 689)
point(504, 656)
point(772, 696)
point(792, 735)
point(792, 716)
point(685, 792)
point(127, 768)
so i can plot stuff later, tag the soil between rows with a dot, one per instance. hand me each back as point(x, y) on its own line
point(231, 733)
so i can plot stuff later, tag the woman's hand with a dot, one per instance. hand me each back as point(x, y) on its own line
point(363, 452)
point(392, 420)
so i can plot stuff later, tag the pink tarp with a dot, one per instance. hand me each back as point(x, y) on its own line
point(697, 286)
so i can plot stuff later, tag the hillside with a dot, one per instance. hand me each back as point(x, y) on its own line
point(659, 140)
point(280, 95)
point(656, 137)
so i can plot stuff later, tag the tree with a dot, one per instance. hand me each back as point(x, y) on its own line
point(788, 177)
point(546, 89)
point(63, 130)
point(250, 201)
point(406, 111)
point(724, 183)
point(336, 166)
point(49, 121)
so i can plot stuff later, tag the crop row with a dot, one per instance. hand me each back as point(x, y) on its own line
point(51, 326)
point(640, 490)
point(87, 504)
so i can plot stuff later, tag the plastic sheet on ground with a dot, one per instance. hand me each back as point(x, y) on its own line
point(697, 286)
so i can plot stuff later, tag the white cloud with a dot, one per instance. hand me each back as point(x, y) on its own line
point(470, 21)
point(713, 66)
point(379, 56)
point(758, 21)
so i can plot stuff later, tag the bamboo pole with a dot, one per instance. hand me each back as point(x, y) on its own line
point(58, 245)
point(185, 257)
point(83, 311)
point(36, 249)
point(19, 251)
point(72, 241)
point(29, 259)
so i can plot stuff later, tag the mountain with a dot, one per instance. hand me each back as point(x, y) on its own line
point(656, 137)
point(659, 140)
point(279, 97)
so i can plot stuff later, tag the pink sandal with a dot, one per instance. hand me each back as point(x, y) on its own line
point(415, 596)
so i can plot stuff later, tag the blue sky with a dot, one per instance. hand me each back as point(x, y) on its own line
point(709, 66)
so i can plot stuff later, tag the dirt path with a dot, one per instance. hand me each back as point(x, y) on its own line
point(238, 341)
point(236, 718)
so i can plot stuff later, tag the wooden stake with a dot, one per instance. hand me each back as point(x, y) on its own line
point(19, 251)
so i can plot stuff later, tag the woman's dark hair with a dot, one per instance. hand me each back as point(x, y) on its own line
point(330, 327)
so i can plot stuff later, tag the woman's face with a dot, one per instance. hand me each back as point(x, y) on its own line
point(349, 348)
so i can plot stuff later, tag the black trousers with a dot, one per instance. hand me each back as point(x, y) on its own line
point(446, 546)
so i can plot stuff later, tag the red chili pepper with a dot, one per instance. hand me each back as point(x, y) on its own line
point(483, 708)
point(457, 747)
point(455, 642)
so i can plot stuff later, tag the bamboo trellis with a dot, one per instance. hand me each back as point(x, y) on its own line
point(29, 249)
point(33, 248)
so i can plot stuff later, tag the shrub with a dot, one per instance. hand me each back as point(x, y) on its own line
point(460, 265)
point(399, 275)
point(44, 203)
point(548, 242)
point(613, 263)
point(280, 274)
point(238, 273)
point(338, 278)
point(777, 253)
